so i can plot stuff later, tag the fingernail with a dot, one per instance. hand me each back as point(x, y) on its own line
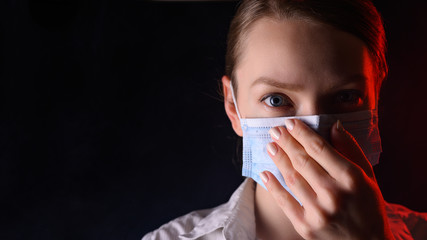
point(274, 133)
point(290, 123)
point(340, 128)
point(264, 177)
point(271, 148)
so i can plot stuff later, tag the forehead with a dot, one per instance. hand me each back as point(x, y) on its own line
point(302, 51)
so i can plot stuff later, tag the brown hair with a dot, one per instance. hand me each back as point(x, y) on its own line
point(357, 17)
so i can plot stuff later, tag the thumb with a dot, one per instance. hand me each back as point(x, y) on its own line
point(347, 146)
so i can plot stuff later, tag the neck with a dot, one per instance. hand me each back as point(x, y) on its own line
point(271, 221)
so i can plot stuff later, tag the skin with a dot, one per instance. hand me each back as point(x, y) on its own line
point(300, 67)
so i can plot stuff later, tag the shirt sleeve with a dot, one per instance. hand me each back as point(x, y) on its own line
point(405, 223)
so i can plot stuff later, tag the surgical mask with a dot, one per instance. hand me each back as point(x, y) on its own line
point(363, 125)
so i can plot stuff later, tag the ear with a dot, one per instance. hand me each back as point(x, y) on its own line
point(230, 109)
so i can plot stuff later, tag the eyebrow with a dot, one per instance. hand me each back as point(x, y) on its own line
point(278, 84)
point(357, 77)
point(299, 87)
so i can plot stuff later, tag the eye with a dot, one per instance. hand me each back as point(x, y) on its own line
point(276, 100)
point(353, 97)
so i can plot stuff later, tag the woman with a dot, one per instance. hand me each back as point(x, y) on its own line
point(293, 69)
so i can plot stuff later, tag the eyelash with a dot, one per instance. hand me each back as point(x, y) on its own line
point(286, 100)
point(354, 95)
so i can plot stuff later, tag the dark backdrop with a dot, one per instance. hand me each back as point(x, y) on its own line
point(111, 123)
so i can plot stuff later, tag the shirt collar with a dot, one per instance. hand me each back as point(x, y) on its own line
point(236, 217)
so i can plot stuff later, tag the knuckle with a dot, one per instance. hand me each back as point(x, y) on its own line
point(331, 199)
point(282, 200)
point(317, 146)
point(351, 178)
point(333, 202)
point(301, 161)
point(291, 177)
point(321, 220)
point(327, 185)
point(305, 231)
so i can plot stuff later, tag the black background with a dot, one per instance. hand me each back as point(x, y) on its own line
point(111, 123)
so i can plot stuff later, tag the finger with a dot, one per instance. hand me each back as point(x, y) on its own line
point(345, 144)
point(301, 161)
point(289, 205)
point(318, 148)
point(293, 179)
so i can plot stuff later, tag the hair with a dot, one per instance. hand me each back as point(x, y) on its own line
point(357, 17)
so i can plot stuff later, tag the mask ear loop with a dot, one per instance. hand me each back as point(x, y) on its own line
point(234, 100)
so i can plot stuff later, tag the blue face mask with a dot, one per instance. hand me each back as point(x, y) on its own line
point(363, 125)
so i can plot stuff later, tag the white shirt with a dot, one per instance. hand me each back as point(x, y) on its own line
point(236, 220)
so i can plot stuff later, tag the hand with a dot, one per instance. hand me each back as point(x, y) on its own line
point(336, 186)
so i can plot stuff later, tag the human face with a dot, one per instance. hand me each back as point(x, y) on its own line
point(300, 67)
